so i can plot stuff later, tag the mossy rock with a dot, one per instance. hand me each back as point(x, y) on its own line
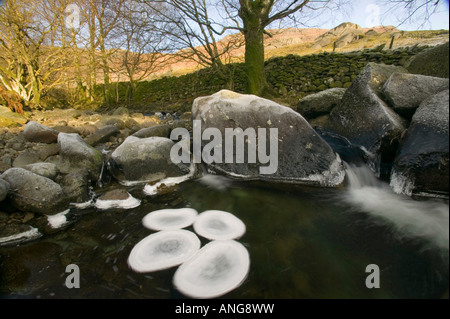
point(11, 119)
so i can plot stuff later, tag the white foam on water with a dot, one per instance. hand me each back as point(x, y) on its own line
point(218, 268)
point(410, 218)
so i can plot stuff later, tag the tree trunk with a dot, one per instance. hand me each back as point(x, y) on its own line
point(253, 17)
point(254, 60)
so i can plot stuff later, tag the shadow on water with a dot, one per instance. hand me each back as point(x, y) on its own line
point(303, 242)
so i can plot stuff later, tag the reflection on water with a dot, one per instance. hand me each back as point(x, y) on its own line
point(303, 243)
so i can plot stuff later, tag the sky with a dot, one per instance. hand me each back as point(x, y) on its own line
point(369, 13)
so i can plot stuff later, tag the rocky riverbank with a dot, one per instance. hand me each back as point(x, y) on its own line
point(62, 161)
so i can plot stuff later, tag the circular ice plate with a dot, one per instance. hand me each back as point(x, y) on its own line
point(218, 268)
point(163, 250)
point(219, 225)
point(170, 219)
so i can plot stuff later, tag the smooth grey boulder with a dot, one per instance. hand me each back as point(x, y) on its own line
point(76, 187)
point(159, 130)
point(48, 170)
point(431, 62)
point(38, 133)
point(422, 162)
point(77, 156)
point(405, 92)
point(102, 135)
point(145, 160)
point(34, 193)
point(364, 118)
point(302, 155)
point(321, 103)
point(26, 158)
point(4, 188)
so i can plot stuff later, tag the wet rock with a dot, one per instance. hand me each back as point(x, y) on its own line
point(11, 119)
point(431, 62)
point(422, 163)
point(66, 129)
point(44, 151)
point(38, 133)
point(26, 158)
point(303, 156)
point(48, 170)
point(145, 160)
point(159, 130)
point(364, 118)
point(102, 135)
point(76, 187)
point(319, 104)
point(76, 155)
point(34, 193)
point(405, 92)
point(87, 129)
point(4, 188)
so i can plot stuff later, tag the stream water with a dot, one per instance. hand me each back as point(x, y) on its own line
point(304, 242)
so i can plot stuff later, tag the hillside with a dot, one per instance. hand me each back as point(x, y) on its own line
point(347, 36)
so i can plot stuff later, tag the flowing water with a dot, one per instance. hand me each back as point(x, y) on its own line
point(303, 242)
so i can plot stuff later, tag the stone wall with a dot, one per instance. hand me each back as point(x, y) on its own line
point(291, 76)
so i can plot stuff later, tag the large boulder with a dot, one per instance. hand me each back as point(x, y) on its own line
point(321, 103)
point(48, 170)
point(34, 193)
point(4, 188)
point(431, 62)
point(302, 155)
point(364, 118)
point(422, 163)
point(76, 187)
point(38, 133)
point(405, 92)
point(77, 156)
point(145, 160)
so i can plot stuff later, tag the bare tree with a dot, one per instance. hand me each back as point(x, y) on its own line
point(252, 17)
point(420, 10)
point(29, 65)
point(195, 32)
point(139, 55)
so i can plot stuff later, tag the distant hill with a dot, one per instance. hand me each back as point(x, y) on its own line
point(343, 38)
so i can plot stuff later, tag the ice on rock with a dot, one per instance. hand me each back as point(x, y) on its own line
point(170, 219)
point(219, 225)
point(128, 203)
point(163, 250)
point(59, 220)
point(218, 268)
